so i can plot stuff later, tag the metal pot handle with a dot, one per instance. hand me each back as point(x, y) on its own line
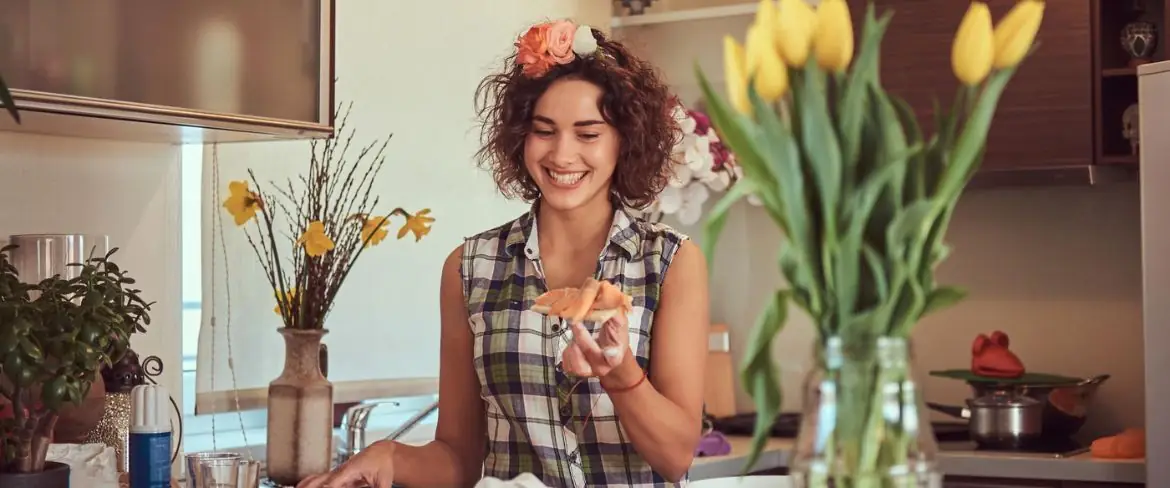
point(1096, 380)
point(956, 412)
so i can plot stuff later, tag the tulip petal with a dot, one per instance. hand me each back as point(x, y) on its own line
point(972, 52)
point(1016, 32)
point(734, 75)
point(766, 70)
point(833, 38)
point(795, 26)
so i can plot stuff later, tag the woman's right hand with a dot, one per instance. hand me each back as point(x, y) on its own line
point(372, 467)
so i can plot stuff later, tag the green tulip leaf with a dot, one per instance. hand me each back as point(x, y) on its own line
point(758, 373)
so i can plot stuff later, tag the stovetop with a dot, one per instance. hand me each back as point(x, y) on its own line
point(952, 436)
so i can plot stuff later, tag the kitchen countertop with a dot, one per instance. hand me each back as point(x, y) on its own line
point(955, 460)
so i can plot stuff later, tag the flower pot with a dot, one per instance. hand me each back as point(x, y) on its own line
point(55, 475)
point(864, 424)
point(300, 411)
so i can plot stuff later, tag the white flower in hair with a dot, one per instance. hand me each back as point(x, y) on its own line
point(584, 43)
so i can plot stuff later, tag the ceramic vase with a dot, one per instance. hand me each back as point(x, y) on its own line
point(864, 422)
point(300, 411)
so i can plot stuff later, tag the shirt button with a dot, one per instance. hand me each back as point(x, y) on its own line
point(566, 410)
point(529, 252)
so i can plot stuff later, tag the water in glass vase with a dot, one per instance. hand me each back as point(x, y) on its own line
point(864, 422)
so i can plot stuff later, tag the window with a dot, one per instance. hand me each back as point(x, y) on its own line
point(232, 430)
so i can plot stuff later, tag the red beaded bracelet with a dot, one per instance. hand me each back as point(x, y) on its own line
point(627, 388)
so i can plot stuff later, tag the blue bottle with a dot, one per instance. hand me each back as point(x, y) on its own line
point(150, 437)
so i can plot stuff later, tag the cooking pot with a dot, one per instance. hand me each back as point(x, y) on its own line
point(1000, 420)
point(1065, 405)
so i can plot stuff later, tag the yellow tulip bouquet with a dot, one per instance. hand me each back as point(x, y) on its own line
point(862, 194)
point(330, 221)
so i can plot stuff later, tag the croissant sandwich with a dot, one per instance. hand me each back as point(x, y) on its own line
point(595, 301)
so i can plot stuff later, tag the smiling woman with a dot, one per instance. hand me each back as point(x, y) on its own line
point(611, 101)
point(583, 130)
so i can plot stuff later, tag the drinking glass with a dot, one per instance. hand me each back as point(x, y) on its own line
point(211, 469)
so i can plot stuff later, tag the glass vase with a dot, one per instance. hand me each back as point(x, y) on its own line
point(864, 422)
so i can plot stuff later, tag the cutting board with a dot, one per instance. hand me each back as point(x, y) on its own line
point(719, 394)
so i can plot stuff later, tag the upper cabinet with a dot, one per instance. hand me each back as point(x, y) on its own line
point(174, 71)
point(1045, 116)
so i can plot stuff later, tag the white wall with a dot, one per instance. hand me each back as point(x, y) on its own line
point(129, 191)
point(1058, 269)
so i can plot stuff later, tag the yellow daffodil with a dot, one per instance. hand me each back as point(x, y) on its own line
point(292, 298)
point(734, 75)
point(971, 53)
point(315, 241)
point(765, 68)
point(243, 203)
point(419, 224)
point(374, 229)
point(795, 25)
point(1016, 32)
point(833, 36)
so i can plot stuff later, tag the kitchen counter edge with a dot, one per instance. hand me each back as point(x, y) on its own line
point(951, 462)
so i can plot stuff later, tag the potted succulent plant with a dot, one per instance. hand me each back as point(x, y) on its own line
point(54, 337)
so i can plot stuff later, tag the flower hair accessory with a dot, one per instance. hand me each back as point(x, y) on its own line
point(552, 43)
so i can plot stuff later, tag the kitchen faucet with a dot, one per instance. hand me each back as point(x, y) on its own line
point(355, 420)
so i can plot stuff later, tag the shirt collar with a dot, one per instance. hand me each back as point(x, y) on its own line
point(522, 237)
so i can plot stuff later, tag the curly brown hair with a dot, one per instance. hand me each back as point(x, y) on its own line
point(636, 101)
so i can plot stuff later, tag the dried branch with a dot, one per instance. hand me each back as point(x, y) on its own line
point(336, 190)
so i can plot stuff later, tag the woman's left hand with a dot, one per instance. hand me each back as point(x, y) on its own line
point(588, 357)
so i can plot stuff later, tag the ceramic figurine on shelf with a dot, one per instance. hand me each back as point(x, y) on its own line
point(636, 7)
point(1129, 128)
point(1139, 37)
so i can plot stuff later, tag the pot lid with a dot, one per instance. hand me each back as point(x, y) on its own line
point(1004, 400)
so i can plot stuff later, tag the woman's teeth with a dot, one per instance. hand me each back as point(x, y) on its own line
point(566, 178)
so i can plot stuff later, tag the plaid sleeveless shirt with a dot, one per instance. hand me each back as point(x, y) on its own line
point(537, 422)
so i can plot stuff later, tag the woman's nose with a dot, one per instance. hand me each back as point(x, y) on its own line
point(565, 151)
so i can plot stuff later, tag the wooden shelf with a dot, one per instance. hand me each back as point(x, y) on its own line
point(1119, 159)
point(1111, 72)
point(685, 15)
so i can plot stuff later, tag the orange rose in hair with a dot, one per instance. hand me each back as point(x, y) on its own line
point(532, 51)
point(560, 41)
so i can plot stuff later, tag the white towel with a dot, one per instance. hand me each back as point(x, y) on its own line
point(526, 480)
point(90, 465)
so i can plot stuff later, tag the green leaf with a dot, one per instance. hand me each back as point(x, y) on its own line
point(916, 169)
point(849, 262)
point(758, 373)
point(909, 226)
point(717, 218)
point(790, 265)
point(822, 150)
point(779, 151)
point(964, 156)
point(943, 297)
point(736, 131)
point(851, 105)
point(877, 272)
